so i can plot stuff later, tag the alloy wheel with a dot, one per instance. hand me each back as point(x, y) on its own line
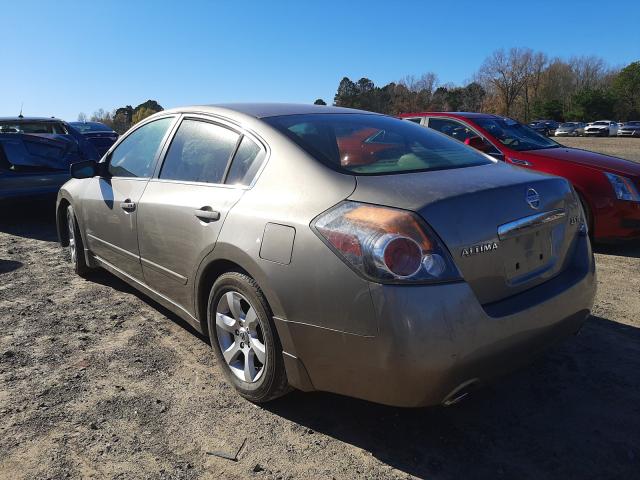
point(72, 235)
point(240, 337)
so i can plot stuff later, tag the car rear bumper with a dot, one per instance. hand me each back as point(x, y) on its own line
point(436, 341)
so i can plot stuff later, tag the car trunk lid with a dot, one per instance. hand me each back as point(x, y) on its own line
point(507, 229)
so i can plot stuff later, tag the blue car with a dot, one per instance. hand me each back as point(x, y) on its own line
point(35, 155)
point(100, 135)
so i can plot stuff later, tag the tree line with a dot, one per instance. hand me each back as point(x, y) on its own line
point(518, 82)
point(121, 119)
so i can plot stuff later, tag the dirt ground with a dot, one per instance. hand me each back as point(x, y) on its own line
point(97, 381)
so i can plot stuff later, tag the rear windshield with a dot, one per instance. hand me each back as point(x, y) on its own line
point(51, 128)
point(90, 127)
point(374, 144)
point(568, 125)
point(515, 135)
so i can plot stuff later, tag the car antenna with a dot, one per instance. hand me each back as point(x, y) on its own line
point(21, 105)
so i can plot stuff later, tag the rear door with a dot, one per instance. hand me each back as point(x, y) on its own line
point(110, 204)
point(184, 206)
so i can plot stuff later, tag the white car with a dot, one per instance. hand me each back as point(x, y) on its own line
point(601, 128)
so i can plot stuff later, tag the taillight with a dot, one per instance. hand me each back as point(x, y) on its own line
point(385, 244)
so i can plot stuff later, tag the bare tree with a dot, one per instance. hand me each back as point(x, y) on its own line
point(536, 67)
point(82, 117)
point(419, 91)
point(588, 72)
point(558, 84)
point(507, 73)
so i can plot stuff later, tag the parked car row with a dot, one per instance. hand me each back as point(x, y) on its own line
point(600, 128)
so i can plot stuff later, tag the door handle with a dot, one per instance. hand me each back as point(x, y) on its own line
point(128, 205)
point(207, 215)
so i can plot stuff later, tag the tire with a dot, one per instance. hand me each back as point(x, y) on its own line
point(253, 360)
point(588, 215)
point(75, 249)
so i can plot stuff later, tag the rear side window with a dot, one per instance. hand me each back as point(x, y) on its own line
point(246, 163)
point(415, 120)
point(134, 157)
point(199, 152)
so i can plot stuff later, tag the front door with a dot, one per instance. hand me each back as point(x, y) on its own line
point(110, 203)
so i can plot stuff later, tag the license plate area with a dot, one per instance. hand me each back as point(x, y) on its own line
point(527, 256)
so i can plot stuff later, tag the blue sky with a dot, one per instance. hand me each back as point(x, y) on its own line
point(63, 57)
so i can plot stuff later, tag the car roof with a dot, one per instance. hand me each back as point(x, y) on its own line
point(29, 119)
point(451, 114)
point(263, 110)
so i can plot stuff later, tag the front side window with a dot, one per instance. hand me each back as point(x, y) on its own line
point(452, 128)
point(365, 144)
point(135, 155)
point(514, 135)
point(199, 152)
point(246, 163)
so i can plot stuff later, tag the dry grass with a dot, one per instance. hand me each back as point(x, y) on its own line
point(628, 148)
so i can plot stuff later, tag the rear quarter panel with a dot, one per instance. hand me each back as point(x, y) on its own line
point(316, 287)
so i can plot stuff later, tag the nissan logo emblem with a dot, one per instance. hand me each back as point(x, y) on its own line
point(533, 199)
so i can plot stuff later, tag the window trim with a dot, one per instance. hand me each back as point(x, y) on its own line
point(221, 122)
point(422, 119)
point(106, 159)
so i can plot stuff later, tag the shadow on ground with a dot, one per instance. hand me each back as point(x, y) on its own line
point(29, 219)
point(105, 278)
point(628, 249)
point(7, 266)
point(569, 415)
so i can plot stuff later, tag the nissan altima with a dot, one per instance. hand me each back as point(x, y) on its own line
point(324, 248)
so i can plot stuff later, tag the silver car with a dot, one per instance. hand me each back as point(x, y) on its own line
point(570, 129)
point(331, 249)
point(630, 129)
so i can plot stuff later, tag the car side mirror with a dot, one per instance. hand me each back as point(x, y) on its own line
point(478, 143)
point(84, 169)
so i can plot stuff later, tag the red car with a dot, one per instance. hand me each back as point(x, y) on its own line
point(365, 146)
point(608, 186)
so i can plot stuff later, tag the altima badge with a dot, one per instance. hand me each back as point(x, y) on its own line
point(481, 248)
point(533, 199)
